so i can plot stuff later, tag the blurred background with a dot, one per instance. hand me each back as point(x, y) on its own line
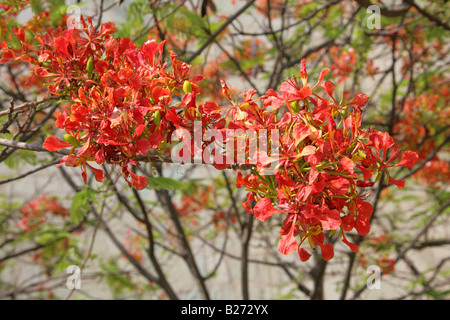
point(198, 241)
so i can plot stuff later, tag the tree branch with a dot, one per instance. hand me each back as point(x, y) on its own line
point(219, 31)
point(147, 158)
point(29, 104)
point(428, 15)
point(384, 11)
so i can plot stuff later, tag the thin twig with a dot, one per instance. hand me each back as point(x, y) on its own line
point(149, 158)
point(28, 104)
point(31, 171)
point(219, 31)
point(91, 246)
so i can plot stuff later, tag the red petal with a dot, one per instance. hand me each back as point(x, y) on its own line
point(408, 160)
point(303, 254)
point(315, 158)
point(219, 166)
point(367, 173)
point(364, 184)
point(220, 161)
point(364, 208)
point(143, 146)
point(248, 94)
point(307, 151)
point(102, 67)
point(300, 131)
point(398, 183)
point(69, 160)
point(330, 220)
point(327, 251)
point(312, 176)
point(240, 180)
point(322, 74)
point(318, 186)
point(140, 129)
point(83, 174)
point(246, 204)
point(99, 174)
point(348, 222)
point(226, 91)
point(100, 156)
point(287, 244)
point(362, 225)
point(19, 33)
point(211, 107)
point(156, 139)
point(381, 140)
point(172, 116)
point(352, 246)
point(107, 28)
point(61, 46)
point(85, 150)
point(303, 73)
point(328, 87)
point(42, 72)
point(347, 165)
point(360, 99)
point(339, 186)
point(264, 209)
point(52, 144)
point(305, 92)
point(139, 182)
point(197, 78)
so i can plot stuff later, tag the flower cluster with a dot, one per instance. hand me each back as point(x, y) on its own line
point(37, 212)
point(126, 102)
point(120, 94)
point(325, 159)
point(379, 248)
point(133, 244)
point(426, 136)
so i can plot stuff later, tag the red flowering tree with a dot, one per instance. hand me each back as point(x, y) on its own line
point(315, 158)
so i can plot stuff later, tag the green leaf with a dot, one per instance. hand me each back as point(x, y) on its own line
point(307, 9)
point(81, 204)
point(14, 160)
point(49, 234)
point(165, 183)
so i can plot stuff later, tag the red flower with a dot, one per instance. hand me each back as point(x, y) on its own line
point(264, 209)
point(123, 106)
point(52, 144)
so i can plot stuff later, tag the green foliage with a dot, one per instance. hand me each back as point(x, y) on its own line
point(197, 24)
point(49, 234)
point(401, 212)
point(119, 281)
point(81, 203)
point(307, 9)
point(165, 183)
point(26, 156)
point(329, 25)
point(134, 23)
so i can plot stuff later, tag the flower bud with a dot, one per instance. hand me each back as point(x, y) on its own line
point(244, 106)
point(157, 118)
point(71, 139)
point(90, 66)
point(295, 106)
point(187, 87)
